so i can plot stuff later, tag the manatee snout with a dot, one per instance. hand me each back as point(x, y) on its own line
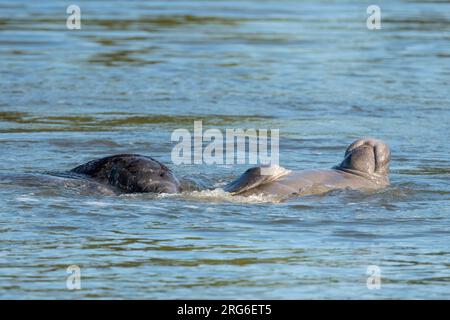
point(367, 155)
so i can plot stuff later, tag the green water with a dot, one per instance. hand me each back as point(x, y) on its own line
point(138, 70)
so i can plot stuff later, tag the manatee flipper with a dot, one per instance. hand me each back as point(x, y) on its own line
point(255, 177)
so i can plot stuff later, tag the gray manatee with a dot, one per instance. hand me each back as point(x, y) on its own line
point(131, 173)
point(122, 173)
point(365, 167)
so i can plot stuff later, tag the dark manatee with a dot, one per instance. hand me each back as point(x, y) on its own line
point(131, 173)
point(365, 167)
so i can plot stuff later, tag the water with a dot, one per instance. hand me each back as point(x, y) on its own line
point(138, 70)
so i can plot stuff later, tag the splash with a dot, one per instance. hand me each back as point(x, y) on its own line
point(218, 195)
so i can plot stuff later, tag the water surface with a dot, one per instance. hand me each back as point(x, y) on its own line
point(138, 70)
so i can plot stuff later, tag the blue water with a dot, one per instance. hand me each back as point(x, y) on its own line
point(137, 70)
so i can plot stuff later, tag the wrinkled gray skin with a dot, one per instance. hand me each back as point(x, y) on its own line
point(365, 167)
point(123, 173)
point(131, 173)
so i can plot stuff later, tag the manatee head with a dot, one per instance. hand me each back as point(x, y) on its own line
point(131, 173)
point(367, 157)
point(161, 180)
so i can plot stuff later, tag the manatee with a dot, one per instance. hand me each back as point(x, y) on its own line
point(131, 173)
point(365, 167)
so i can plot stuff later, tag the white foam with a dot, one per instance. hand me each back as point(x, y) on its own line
point(26, 198)
point(98, 203)
point(219, 195)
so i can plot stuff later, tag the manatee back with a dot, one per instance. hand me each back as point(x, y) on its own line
point(128, 172)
